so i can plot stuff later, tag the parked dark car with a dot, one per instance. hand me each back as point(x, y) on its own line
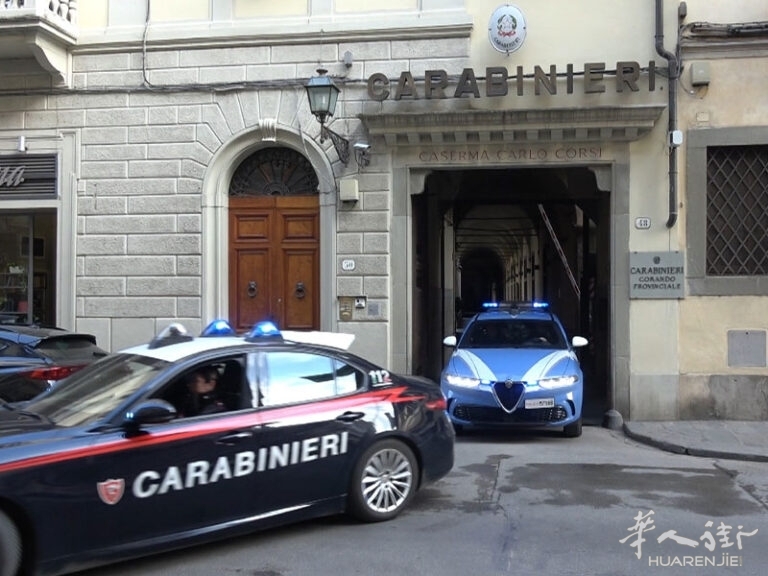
point(34, 358)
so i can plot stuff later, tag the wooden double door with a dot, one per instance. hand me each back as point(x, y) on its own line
point(274, 261)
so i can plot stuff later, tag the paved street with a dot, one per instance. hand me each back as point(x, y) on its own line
point(526, 504)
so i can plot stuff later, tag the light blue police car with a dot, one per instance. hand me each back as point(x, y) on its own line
point(513, 366)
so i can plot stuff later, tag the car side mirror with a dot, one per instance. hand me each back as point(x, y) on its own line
point(579, 341)
point(154, 411)
point(449, 341)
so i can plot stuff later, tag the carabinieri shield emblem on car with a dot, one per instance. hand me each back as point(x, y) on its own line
point(111, 491)
point(508, 394)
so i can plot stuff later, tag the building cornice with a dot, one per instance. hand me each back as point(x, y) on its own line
point(709, 41)
point(616, 124)
point(710, 49)
point(279, 33)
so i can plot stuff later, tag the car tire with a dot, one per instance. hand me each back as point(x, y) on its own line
point(572, 430)
point(384, 481)
point(10, 547)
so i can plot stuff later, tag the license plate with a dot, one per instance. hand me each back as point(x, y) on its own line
point(540, 403)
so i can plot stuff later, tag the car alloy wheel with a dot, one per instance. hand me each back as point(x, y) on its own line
point(384, 481)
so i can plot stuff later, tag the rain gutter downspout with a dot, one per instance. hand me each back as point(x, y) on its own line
point(672, 75)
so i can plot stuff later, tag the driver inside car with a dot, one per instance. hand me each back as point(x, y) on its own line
point(202, 394)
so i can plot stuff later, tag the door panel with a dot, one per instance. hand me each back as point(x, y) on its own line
point(298, 226)
point(252, 286)
point(322, 441)
point(253, 227)
point(274, 242)
point(138, 488)
point(301, 286)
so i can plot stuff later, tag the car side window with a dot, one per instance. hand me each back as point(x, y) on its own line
point(348, 378)
point(209, 388)
point(301, 377)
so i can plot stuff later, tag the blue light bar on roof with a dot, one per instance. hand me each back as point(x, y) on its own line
point(507, 305)
point(218, 328)
point(263, 332)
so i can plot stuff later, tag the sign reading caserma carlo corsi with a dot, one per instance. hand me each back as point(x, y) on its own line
point(28, 175)
point(591, 78)
point(656, 275)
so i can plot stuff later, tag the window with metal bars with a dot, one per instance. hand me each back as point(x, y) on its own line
point(726, 211)
point(737, 211)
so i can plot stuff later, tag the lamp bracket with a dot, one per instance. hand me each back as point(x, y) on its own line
point(340, 143)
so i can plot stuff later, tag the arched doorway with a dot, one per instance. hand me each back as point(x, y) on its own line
point(480, 235)
point(274, 241)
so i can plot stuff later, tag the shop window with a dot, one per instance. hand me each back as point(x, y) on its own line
point(727, 217)
point(27, 263)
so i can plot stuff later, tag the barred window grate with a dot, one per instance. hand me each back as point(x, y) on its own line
point(737, 210)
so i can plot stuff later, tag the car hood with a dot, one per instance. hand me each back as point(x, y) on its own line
point(20, 428)
point(518, 364)
point(27, 440)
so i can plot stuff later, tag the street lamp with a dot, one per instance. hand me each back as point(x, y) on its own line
point(323, 94)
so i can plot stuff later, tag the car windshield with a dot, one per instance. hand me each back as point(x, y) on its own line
point(513, 333)
point(95, 391)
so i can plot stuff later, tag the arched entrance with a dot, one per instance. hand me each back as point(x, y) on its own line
point(274, 241)
point(482, 235)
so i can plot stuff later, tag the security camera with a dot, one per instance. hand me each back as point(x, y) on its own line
point(362, 155)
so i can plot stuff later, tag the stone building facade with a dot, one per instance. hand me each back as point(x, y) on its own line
point(174, 173)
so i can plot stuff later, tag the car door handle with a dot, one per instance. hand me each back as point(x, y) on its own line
point(350, 416)
point(234, 438)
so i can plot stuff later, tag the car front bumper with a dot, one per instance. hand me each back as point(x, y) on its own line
point(547, 407)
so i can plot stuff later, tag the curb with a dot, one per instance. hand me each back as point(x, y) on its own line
point(684, 450)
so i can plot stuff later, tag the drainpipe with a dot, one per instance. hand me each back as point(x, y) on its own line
point(673, 74)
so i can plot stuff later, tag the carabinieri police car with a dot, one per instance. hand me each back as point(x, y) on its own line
point(299, 430)
point(514, 367)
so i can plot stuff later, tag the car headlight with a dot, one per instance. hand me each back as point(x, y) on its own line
point(463, 381)
point(559, 382)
